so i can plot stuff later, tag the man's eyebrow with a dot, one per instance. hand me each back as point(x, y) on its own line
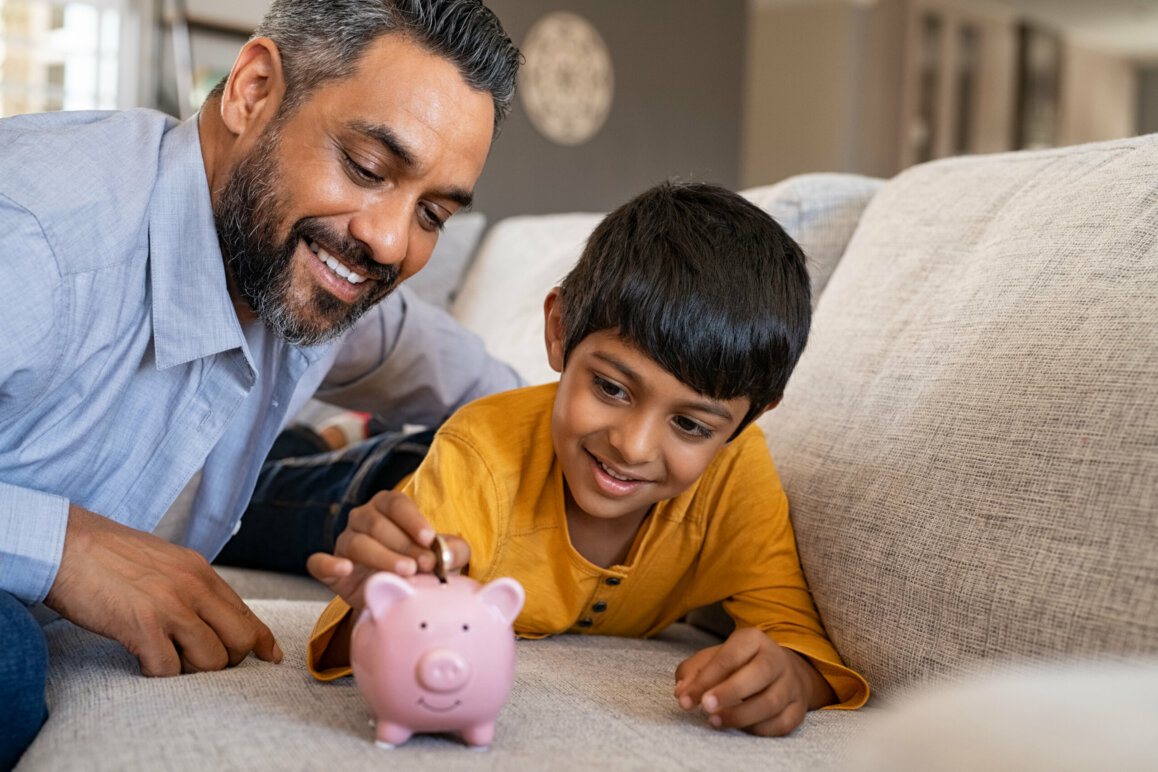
point(706, 406)
point(386, 137)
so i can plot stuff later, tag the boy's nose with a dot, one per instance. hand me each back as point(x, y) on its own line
point(635, 439)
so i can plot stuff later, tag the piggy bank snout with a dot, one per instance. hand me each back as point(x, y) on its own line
point(443, 670)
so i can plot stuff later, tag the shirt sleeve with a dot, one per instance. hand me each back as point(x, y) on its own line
point(409, 362)
point(32, 523)
point(751, 545)
point(323, 633)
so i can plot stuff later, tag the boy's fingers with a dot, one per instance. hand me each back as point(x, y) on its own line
point(328, 568)
point(400, 510)
point(460, 549)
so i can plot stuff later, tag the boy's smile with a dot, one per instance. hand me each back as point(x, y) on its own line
point(628, 433)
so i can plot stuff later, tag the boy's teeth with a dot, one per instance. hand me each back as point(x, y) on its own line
point(613, 474)
point(335, 266)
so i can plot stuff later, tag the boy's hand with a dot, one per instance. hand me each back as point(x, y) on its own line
point(751, 683)
point(388, 533)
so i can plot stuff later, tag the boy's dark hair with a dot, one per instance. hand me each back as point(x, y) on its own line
point(324, 40)
point(701, 280)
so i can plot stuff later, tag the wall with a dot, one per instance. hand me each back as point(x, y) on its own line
point(823, 88)
point(1148, 100)
point(1098, 97)
point(676, 112)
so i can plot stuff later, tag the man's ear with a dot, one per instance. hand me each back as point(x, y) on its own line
point(255, 88)
point(553, 330)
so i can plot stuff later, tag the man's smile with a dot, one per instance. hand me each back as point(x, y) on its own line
point(333, 264)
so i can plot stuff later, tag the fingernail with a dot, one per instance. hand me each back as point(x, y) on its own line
point(715, 721)
point(426, 536)
point(277, 653)
point(405, 567)
point(686, 702)
point(710, 703)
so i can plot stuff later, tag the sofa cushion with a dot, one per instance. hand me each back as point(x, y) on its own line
point(581, 702)
point(438, 281)
point(970, 441)
point(501, 299)
point(820, 211)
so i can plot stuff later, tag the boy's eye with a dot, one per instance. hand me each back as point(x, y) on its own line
point(609, 389)
point(694, 428)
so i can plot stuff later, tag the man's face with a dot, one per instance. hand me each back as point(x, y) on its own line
point(336, 204)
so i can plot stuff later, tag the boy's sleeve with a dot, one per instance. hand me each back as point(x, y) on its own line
point(754, 546)
point(320, 638)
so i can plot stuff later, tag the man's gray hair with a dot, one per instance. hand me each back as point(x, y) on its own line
point(323, 40)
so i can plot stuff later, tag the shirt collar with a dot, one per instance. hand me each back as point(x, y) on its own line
point(193, 315)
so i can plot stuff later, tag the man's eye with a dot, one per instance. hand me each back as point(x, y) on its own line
point(431, 217)
point(359, 171)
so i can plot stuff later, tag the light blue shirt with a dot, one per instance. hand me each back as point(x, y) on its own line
point(123, 368)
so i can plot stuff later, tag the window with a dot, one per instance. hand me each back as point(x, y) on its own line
point(61, 55)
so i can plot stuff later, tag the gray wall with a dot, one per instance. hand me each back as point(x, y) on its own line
point(1148, 100)
point(676, 112)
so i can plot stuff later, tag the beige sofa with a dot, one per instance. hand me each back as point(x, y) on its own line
point(970, 448)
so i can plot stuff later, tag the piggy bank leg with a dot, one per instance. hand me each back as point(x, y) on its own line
point(479, 736)
point(390, 735)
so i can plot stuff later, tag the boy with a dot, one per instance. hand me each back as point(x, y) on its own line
point(637, 488)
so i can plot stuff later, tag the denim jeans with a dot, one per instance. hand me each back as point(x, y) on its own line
point(301, 503)
point(23, 676)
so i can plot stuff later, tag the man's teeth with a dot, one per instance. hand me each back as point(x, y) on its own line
point(335, 266)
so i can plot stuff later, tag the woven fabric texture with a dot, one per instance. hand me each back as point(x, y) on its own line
point(820, 211)
point(970, 442)
point(578, 703)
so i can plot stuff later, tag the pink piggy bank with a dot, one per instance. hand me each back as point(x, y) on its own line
point(435, 657)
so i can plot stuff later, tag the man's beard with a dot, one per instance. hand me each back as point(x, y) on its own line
point(247, 219)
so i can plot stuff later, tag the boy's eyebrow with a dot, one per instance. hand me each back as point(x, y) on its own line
point(706, 406)
point(390, 140)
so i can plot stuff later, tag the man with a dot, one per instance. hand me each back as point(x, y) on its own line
point(174, 292)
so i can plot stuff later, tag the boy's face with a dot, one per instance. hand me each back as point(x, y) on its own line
point(627, 432)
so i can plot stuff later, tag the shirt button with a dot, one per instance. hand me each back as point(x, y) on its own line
point(586, 622)
point(600, 606)
point(613, 581)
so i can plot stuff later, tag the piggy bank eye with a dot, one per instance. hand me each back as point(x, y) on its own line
point(422, 625)
point(466, 628)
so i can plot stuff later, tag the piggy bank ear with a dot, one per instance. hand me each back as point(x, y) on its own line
point(383, 590)
point(504, 594)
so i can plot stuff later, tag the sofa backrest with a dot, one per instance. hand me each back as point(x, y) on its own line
point(970, 441)
point(521, 258)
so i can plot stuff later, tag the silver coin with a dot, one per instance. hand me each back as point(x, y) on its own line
point(443, 557)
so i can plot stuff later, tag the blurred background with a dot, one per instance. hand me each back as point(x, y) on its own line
point(619, 94)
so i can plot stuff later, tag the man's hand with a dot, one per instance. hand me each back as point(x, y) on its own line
point(388, 533)
point(751, 683)
point(164, 603)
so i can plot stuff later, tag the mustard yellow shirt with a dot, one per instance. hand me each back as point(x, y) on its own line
point(491, 477)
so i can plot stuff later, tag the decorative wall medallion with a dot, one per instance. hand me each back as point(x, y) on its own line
point(567, 81)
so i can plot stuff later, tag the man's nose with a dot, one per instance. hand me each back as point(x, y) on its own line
point(385, 231)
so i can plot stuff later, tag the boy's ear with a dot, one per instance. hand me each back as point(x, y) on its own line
point(254, 90)
point(553, 330)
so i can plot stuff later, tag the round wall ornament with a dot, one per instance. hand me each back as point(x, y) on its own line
point(567, 82)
